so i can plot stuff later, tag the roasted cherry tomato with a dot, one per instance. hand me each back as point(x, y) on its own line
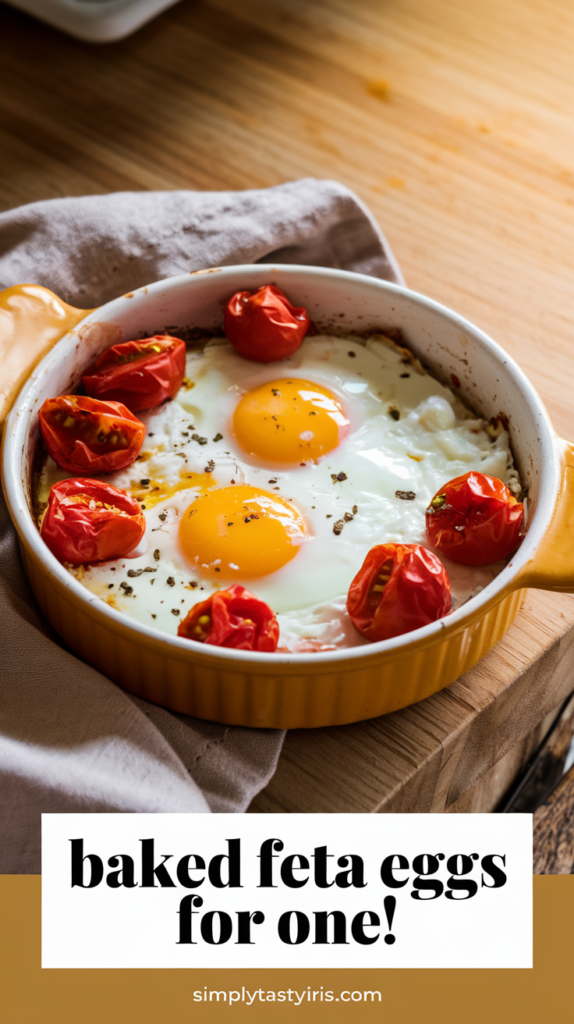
point(140, 374)
point(398, 588)
point(232, 618)
point(87, 436)
point(89, 521)
point(475, 520)
point(264, 326)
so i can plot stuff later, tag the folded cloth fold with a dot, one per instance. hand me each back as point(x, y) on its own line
point(70, 740)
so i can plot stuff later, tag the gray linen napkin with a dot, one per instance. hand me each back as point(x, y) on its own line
point(70, 740)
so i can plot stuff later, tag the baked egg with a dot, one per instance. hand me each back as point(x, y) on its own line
point(282, 476)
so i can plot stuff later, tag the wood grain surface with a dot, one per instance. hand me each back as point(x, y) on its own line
point(546, 766)
point(453, 121)
point(554, 831)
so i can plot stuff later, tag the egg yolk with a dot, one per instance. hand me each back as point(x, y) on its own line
point(152, 490)
point(289, 421)
point(241, 531)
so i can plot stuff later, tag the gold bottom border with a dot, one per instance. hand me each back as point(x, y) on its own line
point(30, 995)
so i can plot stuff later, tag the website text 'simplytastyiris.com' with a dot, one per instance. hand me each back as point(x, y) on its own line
point(249, 997)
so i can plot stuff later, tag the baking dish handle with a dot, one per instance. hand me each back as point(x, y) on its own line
point(32, 320)
point(552, 567)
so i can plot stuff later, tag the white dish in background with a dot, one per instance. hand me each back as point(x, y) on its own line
point(95, 21)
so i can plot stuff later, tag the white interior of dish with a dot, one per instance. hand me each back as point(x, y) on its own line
point(337, 301)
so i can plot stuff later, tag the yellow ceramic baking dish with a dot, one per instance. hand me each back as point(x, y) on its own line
point(283, 690)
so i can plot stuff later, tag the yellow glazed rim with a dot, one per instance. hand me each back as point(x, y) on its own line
point(288, 691)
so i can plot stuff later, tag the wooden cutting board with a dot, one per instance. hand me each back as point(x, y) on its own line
point(453, 121)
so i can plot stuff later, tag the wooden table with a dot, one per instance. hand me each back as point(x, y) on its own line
point(453, 121)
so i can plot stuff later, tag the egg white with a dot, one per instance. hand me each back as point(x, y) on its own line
point(434, 439)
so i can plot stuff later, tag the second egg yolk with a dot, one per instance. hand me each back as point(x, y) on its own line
point(240, 532)
point(289, 421)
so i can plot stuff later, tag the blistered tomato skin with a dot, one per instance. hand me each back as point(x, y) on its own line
point(89, 521)
point(140, 374)
point(475, 520)
point(399, 587)
point(264, 326)
point(232, 618)
point(84, 435)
